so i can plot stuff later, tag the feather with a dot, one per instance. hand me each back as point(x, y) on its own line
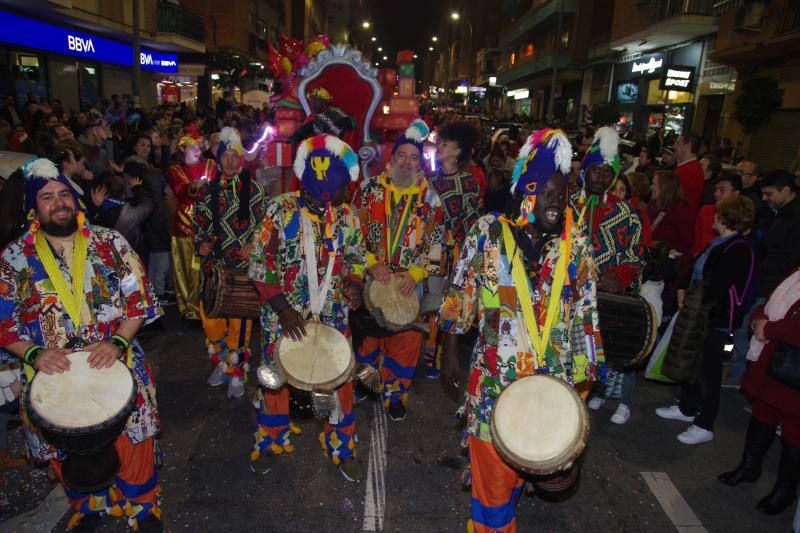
point(40, 168)
point(609, 142)
point(300, 158)
point(559, 143)
point(417, 131)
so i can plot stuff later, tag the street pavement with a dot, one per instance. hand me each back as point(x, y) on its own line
point(635, 478)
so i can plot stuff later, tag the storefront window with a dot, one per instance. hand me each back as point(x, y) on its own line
point(88, 83)
point(29, 76)
point(64, 81)
point(658, 97)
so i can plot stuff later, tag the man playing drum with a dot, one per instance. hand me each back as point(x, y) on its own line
point(67, 285)
point(224, 221)
point(308, 263)
point(401, 216)
point(187, 180)
point(530, 279)
point(618, 242)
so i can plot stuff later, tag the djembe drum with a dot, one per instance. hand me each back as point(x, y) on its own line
point(391, 309)
point(628, 329)
point(82, 411)
point(540, 426)
point(229, 293)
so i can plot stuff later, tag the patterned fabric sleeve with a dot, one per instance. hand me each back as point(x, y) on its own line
point(9, 310)
point(356, 253)
point(263, 259)
point(586, 351)
point(460, 304)
point(138, 294)
point(622, 242)
point(179, 182)
point(430, 257)
point(202, 221)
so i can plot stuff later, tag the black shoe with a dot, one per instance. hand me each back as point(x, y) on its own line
point(784, 493)
point(397, 411)
point(88, 524)
point(151, 524)
point(757, 442)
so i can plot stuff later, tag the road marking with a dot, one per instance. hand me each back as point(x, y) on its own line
point(376, 471)
point(44, 517)
point(676, 508)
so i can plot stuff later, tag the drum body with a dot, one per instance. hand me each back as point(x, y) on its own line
point(229, 293)
point(628, 328)
point(92, 462)
point(321, 361)
point(539, 425)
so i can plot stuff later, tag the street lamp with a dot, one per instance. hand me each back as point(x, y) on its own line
point(430, 49)
point(380, 49)
point(434, 38)
point(415, 56)
point(365, 25)
point(374, 39)
point(454, 15)
point(385, 58)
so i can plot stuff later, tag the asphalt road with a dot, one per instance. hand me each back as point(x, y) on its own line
point(411, 468)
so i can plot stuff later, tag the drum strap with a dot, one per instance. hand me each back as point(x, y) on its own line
point(71, 298)
point(522, 285)
point(317, 293)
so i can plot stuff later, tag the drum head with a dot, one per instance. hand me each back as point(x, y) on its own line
point(539, 424)
point(397, 310)
point(322, 360)
point(81, 397)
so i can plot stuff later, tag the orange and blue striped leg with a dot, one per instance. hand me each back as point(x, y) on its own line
point(401, 353)
point(339, 440)
point(496, 488)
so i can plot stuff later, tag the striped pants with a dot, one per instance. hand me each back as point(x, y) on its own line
point(396, 357)
point(133, 495)
point(496, 488)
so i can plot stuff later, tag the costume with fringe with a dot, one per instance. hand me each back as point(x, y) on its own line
point(115, 288)
point(555, 333)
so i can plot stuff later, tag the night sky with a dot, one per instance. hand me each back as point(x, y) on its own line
point(401, 25)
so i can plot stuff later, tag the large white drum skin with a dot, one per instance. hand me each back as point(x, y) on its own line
point(321, 360)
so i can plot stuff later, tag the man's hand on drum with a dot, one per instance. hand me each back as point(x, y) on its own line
point(407, 283)
point(292, 323)
point(380, 272)
point(353, 292)
point(53, 361)
point(102, 354)
point(608, 282)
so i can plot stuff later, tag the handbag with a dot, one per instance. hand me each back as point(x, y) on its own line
point(784, 367)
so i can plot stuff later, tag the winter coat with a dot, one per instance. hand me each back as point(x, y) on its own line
point(781, 248)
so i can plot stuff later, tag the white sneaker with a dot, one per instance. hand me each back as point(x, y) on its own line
point(673, 412)
point(695, 435)
point(596, 403)
point(621, 415)
point(217, 377)
point(235, 388)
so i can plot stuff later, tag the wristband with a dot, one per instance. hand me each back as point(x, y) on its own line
point(120, 342)
point(31, 354)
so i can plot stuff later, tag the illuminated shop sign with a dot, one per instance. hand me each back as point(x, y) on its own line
point(647, 65)
point(39, 35)
point(677, 78)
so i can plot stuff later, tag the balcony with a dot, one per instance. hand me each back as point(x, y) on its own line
point(674, 21)
point(538, 19)
point(539, 64)
point(177, 20)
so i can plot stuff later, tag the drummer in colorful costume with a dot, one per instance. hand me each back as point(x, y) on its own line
point(617, 237)
point(188, 180)
point(531, 282)
point(66, 285)
point(224, 221)
point(401, 216)
point(308, 263)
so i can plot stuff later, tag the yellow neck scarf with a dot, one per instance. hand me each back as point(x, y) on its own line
point(72, 298)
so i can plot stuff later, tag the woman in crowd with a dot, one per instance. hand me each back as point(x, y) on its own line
point(725, 269)
point(776, 334)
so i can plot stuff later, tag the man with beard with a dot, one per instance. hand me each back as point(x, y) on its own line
point(187, 180)
point(67, 285)
point(538, 251)
point(401, 216)
point(224, 221)
point(617, 240)
point(308, 233)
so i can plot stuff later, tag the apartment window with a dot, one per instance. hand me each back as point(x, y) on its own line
point(565, 40)
point(512, 59)
point(528, 50)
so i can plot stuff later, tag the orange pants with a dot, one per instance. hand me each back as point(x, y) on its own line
point(134, 493)
point(226, 334)
point(274, 428)
point(400, 353)
point(496, 488)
